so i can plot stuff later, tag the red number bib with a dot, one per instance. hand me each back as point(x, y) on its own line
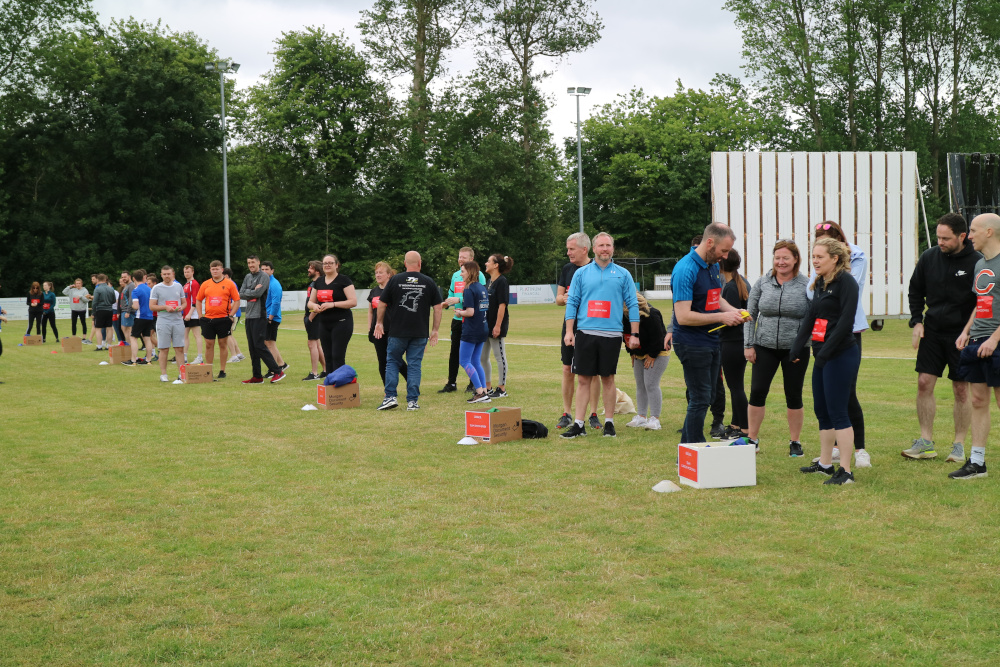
point(76, 299)
point(376, 300)
point(712, 299)
point(984, 307)
point(215, 301)
point(173, 304)
point(46, 306)
point(324, 295)
point(34, 302)
point(819, 330)
point(600, 309)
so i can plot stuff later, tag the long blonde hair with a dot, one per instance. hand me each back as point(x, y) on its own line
point(835, 249)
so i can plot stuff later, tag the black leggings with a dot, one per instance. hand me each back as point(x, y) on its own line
point(36, 319)
point(456, 341)
point(854, 412)
point(381, 346)
point(793, 376)
point(82, 314)
point(48, 317)
point(334, 337)
point(734, 366)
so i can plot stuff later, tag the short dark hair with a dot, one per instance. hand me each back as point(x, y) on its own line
point(249, 257)
point(955, 222)
point(140, 274)
point(215, 262)
point(696, 240)
point(268, 265)
point(315, 265)
point(166, 267)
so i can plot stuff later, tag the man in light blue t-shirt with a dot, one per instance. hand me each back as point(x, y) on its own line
point(272, 306)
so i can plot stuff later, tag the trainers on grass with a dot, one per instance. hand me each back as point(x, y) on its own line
point(564, 421)
point(957, 453)
point(841, 477)
point(652, 424)
point(412, 406)
point(718, 431)
point(594, 421)
point(969, 471)
point(921, 449)
point(862, 459)
point(573, 431)
point(816, 467)
point(794, 448)
point(637, 422)
point(609, 430)
point(388, 403)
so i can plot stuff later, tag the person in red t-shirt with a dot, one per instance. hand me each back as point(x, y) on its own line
point(191, 321)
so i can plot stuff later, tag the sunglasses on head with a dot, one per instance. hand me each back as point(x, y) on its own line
point(824, 226)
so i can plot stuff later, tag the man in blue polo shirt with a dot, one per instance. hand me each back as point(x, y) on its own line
point(698, 308)
point(595, 303)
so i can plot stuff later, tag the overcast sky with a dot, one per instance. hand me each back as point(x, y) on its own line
point(647, 44)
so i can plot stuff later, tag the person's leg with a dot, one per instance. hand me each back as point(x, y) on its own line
point(394, 356)
point(641, 400)
point(99, 336)
point(610, 397)
point(499, 347)
point(210, 352)
point(72, 321)
point(477, 363)
point(718, 407)
point(594, 395)
point(272, 347)
point(839, 373)
point(854, 410)
point(484, 361)
point(83, 323)
point(700, 374)
point(118, 329)
point(456, 340)
point(414, 357)
point(252, 347)
point(341, 336)
point(581, 407)
point(223, 351)
point(827, 435)
point(164, 351)
point(315, 351)
point(734, 366)
point(794, 378)
point(45, 326)
point(962, 412)
point(380, 345)
point(652, 377)
point(465, 352)
point(568, 385)
point(926, 404)
point(263, 353)
point(761, 375)
point(980, 395)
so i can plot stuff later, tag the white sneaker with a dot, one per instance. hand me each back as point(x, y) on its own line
point(638, 421)
point(164, 378)
point(861, 459)
point(233, 359)
point(836, 455)
point(241, 357)
point(652, 424)
point(199, 360)
point(185, 357)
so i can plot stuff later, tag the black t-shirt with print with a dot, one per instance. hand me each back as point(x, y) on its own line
point(409, 297)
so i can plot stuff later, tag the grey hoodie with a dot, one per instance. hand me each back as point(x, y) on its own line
point(777, 310)
point(254, 290)
point(80, 294)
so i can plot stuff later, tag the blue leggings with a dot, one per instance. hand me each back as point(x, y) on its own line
point(469, 358)
point(831, 386)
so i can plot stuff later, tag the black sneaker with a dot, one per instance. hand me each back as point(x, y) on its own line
point(284, 368)
point(448, 388)
point(470, 389)
point(794, 448)
point(755, 443)
point(479, 398)
point(594, 421)
point(732, 433)
point(564, 421)
point(310, 377)
point(816, 467)
point(221, 375)
point(142, 362)
point(573, 431)
point(718, 431)
point(609, 430)
point(269, 374)
point(388, 403)
point(172, 360)
point(969, 471)
point(497, 392)
point(841, 477)
point(127, 362)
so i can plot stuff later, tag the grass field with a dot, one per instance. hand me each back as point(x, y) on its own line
point(219, 524)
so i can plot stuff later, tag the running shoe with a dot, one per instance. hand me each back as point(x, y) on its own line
point(278, 377)
point(755, 443)
point(469, 389)
point(479, 398)
point(733, 433)
point(594, 421)
point(652, 424)
point(637, 422)
point(172, 360)
point(718, 431)
point(862, 459)
point(233, 359)
point(254, 380)
point(836, 456)
point(199, 359)
point(156, 357)
point(497, 392)
point(388, 403)
point(221, 375)
point(142, 362)
point(284, 367)
point(164, 378)
point(841, 477)
point(816, 467)
point(96, 349)
point(957, 453)
point(794, 448)
point(573, 431)
point(609, 430)
point(310, 377)
point(240, 357)
point(564, 421)
point(268, 375)
point(448, 388)
point(86, 341)
point(412, 406)
point(969, 471)
point(921, 449)
point(127, 362)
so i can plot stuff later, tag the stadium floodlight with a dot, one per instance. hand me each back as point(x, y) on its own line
point(578, 92)
point(222, 67)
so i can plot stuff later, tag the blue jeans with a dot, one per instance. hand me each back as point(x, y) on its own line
point(414, 350)
point(469, 358)
point(701, 375)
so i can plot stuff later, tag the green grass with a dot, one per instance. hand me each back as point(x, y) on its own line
point(219, 524)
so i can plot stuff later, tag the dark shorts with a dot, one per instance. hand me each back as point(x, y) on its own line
point(216, 327)
point(141, 328)
point(566, 350)
point(192, 323)
point(979, 371)
point(102, 318)
point(272, 331)
point(936, 352)
point(596, 355)
point(312, 328)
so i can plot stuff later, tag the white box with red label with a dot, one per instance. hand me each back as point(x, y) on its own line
point(705, 465)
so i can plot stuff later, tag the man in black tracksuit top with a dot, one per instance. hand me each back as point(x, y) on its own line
point(943, 280)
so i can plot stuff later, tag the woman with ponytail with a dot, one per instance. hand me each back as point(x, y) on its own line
point(497, 321)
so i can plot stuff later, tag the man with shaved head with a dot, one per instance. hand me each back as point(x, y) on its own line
point(979, 363)
point(409, 297)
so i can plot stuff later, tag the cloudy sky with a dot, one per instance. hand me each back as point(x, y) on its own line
point(647, 44)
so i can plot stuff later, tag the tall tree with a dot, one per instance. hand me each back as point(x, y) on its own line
point(29, 27)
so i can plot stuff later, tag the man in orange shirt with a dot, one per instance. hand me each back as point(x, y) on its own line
point(218, 301)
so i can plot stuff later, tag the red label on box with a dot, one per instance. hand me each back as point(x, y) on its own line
point(324, 295)
point(712, 299)
point(819, 330)
point(600, 309)
point(984, 307)
point(321, 394)
point(477, 424)
point(688, 463)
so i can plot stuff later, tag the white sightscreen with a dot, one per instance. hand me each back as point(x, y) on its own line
point(765, 197)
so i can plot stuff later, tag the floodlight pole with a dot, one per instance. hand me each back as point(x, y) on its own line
point(577, 93)
point(224, 66)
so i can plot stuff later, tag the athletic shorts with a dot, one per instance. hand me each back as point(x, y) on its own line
point(141, 328)
point(979, 371)
point(937, 351)
point(128, 320)
point(102, 318)
point(192, 323)
point(272, 331)
point(566, 350)
point(216, 327)
point(312, 328)
point(169, 333)
point(596, 355)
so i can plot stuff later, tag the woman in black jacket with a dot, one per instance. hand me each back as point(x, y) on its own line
point(734, 364)
point(830, 326)
point(35, 310)
point(649, 361)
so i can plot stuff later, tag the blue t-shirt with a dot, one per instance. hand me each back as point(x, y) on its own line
point(695, 281)
point(141, 294)
point(474, 329)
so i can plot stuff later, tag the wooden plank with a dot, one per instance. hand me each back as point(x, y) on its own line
point(785, 227)
point(768, 209)
point(752, 245)
point(877, 256)
point(800, 206)
point(737, 200)
point(720, 187)
point(893, 233)
point(848, 196)
point(863, 215)
point(831, 187)
point(912, 225)
point(817, 182)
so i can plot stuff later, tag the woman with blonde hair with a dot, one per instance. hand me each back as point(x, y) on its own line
point(649, 361)
point(382, 274)
point(829, 326)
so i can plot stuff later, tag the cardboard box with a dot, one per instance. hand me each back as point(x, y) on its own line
point(196, 373)
point(120, 353)
point(33, 340)
point(706, 465)
point(493, 424)
point(335, 398)
point(72, 344)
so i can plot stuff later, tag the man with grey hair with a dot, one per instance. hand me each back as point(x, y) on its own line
point(578, 251)
point(699, 309)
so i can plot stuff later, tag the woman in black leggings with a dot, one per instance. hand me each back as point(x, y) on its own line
point(48, 311)
point(736, 290)
point(332, 298)
point(34, 303)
